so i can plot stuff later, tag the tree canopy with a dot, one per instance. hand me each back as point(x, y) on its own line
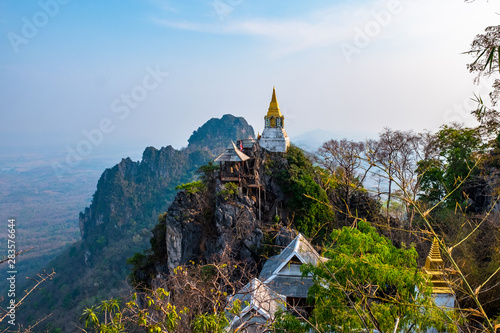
point(367, 283)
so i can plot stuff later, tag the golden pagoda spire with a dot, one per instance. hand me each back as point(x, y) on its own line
point(434, 266)
point(274, 109)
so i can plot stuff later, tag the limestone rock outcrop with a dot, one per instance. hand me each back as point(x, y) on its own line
point(195, 231)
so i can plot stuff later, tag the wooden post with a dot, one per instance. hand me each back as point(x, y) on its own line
point(260, 217)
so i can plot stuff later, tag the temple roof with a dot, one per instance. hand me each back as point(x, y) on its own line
point(279, 279)
point(248, 143)
point(274, 109)
point(299, 248)
point(256, 296)
point(232, 154)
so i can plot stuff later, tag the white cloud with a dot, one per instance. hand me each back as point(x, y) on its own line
point(441, 21)
point(287, 37)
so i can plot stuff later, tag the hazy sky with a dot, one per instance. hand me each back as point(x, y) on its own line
point(100, 75)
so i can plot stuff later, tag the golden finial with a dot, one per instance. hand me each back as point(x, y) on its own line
point(434, 252)
point(273, 99)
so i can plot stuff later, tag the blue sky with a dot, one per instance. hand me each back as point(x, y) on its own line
point(345, 67)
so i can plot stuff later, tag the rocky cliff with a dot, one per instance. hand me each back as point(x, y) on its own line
point(130, 195)
point(190, 236)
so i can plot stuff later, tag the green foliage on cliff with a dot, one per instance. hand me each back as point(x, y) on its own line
point(228, 191)
point(305, 197)
point(144, 263)
point(193, 187)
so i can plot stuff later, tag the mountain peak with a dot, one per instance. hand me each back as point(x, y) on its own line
point(216, 133)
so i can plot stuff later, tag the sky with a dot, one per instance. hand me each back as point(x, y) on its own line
point(88, 77)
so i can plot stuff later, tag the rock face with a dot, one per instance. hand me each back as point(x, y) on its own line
point(130, 195)
point(238, 228)
point(117, 225)
point(199, 227)
point(184, 229)
point(284, 237)
point(195, 231)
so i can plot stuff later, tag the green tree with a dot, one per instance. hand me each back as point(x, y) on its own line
point(208, 172)
point(443, 177)
point(369, 284)
point(108, 306)
point(214, 323)
point(485, 49)
point(193, 187)
point(90, 316)
point(431, 174)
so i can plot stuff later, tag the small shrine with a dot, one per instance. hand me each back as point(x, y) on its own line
point(232, 164)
